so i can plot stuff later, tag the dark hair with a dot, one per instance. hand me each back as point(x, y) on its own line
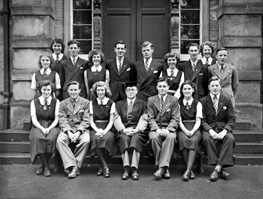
point(73, 83)
point(119, 42)
point(187, 82)
point(43, 83)
point(147, 43)
point(220, 49)
point(96, 52)
point(214, 78)
point(192, 44)
point(163, 79)
point(207, 43)
point(171, 54)
point(44, 55)
point(73, 41)
point(101, 84)
point(59, 41)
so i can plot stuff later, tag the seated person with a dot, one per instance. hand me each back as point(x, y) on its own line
point(131, 122)
point(74, 124)
point(218, 123)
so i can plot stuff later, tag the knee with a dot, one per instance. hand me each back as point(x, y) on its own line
point(171, 136)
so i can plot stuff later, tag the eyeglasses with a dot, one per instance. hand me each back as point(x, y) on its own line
point(131, 89)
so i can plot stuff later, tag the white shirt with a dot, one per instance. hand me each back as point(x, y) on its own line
point(199, 107)
point(192, 63)
point(164, 97)
point(149, 61)
point(117, 61)
point(55, 56)
point(210, 59)
point(96, 68)
point(42, 102)
point(76, 58)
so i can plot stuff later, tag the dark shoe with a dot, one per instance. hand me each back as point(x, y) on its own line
point(223, 174)
point(100, 171)
point(74, 173)
point(106, 172)
point(40, 170)
point(166, 174)
point(186, 176)
point(47, 172)
point(159, 173)
point(135, 175)
point(67, 171)
point(214, 176)
point(192, 175)
point(125, 175)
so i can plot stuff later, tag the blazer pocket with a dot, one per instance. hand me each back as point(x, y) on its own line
point(128, 69)
point(200, 74)
point(156, 71)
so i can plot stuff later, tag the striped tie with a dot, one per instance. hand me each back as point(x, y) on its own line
point(146, 64)
point(215, 103)
point(161, 104)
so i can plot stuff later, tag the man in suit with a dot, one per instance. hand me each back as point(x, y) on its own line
point(121, 70)
point(227, 73)
point(131, 123)
point(163, 116)
point(218, 123)
point(195, 71)
point(74, 124)
point(148, 71)
point(72, 69)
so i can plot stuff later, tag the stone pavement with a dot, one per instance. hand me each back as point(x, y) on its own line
point(19, 181)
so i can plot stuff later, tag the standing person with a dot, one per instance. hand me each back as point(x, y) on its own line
point(102, 110)
point(74, 124)
point(121, 70)
point(195, 71)
point(43, 135)
point(207, 51)
point(148, 71)
point(217, 124)
point(163, 116)
point(175, 77)
point(131, 123)
point(189, 135)
point(227, 73)
point(73, 69)
point(57, 47)
point(96, 73)
point(45, 73)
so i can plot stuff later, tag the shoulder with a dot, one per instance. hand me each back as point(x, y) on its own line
point(84, 100)
point(204, 99)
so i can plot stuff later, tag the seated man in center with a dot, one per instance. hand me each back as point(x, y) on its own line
point(163, 116)
point(131, 122)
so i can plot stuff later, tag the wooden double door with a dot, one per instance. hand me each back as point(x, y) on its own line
point(136, 21)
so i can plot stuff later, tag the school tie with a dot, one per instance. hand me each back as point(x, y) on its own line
point(45, 104)
point(187, 106)
point(207, 62)
point(120, 65)
point(129, 112)
point(45, 72)
point(57, 60)
point(101, 102)
point(146, 64)
point(222, 69)
point(215, 103)
point(74, 61)
point(172, 73)
point(161, 104)
point(193, 66)
point(73, 103)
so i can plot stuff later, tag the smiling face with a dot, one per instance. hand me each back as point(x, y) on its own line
point(73, 50)
point(131, 92)
point(193, 52)
point(57, 48)
point(46, 91)
point(214, 87)
point(96, 59)
point(147, 51)
point(120, 50)
point(73, 91)
point(221, 57)
point(171, 61)
point(207, 51)
point(187, 91)
point(162, 88)
point(101, 91)
point(45, 62)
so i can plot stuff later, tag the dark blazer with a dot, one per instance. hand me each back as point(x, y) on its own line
point(200, 77)
point(128, 73)
point(168, 118)
point(69, 73)
point(148, 80)
point(225, 117)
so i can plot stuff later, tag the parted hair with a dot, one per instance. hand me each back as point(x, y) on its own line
point(101, 84)
point(43, 83)
point(45, 54)
point(187, 82)
point(58, 41)
point(96, 52)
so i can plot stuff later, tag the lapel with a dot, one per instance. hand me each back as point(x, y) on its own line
point(166, 104)
point(114, 65)
point(220, 103)
point(78, 106)
point(210, 103)
point(150, 69)
point(226, 71)
point(216, 71)
point(188, 68)
point(70, 106)
point(197, 70)
point(156, 102)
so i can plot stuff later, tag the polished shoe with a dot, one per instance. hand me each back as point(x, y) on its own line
point(106, 172)
point(223, 174)
point(40, 170)
point(159, 173)
point(192, 175)
point(166, 174)
point(67, 171)
point(214, 176)
point(186, 176)
point(100, 171)
point(47, 172)
point(74, 173)
point(135, 175)
point(125, 174)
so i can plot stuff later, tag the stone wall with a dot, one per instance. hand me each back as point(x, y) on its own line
point(1, 65)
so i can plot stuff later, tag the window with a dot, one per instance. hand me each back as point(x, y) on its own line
point(190, 25)
point(81, 24)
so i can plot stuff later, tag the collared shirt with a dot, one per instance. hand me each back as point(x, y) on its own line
point(210, 59)
point(193, 63)
point(220, 67)
point(164, 97)
point(76, 58)
point(96, 68)
point(60, 56)
point(42, 102)
point(199, 113)
point(149, 61)
point(169, 71)
point(104, 102)
point(212, 96)
point(129, 101)
point(118, 62)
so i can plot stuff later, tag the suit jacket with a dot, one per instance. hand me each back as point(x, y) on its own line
point(139, 115)
point(169, 116)
point(73, 119)
point(229, 79)
point(128, 73)
point(148, 80)
point(225, 117)
point(69, 73)
point(200, 77)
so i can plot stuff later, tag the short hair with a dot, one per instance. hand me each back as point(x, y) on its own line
point(96, 52)
point(187, 82)
point(171, 54)
point(208, 43)
point(147, 43)
point(59, 41)
point(220, 49)
point(119, 42)
point(73, 83)
point(214, 78)
point(44, 55)
point(192, 44)
point(163, 79)
point(43, 83)
point(73, 41)
point(101, 84)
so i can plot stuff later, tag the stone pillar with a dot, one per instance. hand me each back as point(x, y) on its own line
point(240, 30)
point(32, 30)
point(97, 25)
point(174, 24)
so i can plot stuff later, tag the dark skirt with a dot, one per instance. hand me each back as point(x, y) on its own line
point(39, 143)
point(137, 141)
point(192, 142)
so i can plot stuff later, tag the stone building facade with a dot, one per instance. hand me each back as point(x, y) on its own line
point(33, 24)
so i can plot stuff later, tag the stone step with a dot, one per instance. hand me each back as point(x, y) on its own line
point(248, 136)
point(249, 148)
